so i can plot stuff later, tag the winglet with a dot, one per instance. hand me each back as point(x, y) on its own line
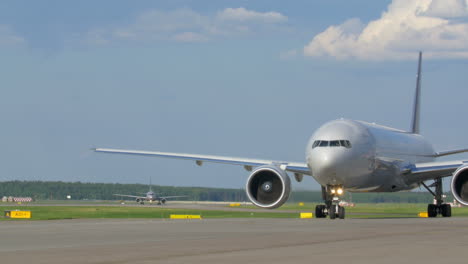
point(417, 96)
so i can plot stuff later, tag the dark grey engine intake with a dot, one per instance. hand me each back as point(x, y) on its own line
point(460, 185)
point(268, 187)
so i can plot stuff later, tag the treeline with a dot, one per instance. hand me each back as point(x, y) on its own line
point(41, 190)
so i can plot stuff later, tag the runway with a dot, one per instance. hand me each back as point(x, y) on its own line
point(440, 240)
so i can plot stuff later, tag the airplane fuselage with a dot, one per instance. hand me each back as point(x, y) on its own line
point(365, 157)
point(150, 197)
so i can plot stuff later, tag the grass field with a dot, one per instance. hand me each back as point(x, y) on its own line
point(45, 212)
point(81, 212)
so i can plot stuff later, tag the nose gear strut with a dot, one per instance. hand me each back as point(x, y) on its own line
point(331, 195)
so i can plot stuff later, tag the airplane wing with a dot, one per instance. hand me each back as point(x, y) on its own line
point(295, 167)
point(420, 172)
point(170, 197)
point(131, 196)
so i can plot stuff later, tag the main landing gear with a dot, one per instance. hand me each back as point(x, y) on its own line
point(439, 208)
point(331, 196)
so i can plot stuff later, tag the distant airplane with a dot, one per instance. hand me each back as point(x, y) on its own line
point(150, 197)
point(350, 155)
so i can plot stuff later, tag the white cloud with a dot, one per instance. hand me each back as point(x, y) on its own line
point(447, 8)
point(186, 25)
point(406, 27)
point(190, 37)
point(242, 15)
point(155, 22)
point(8, 37)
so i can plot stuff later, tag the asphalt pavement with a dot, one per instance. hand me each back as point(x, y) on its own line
point(412, 240)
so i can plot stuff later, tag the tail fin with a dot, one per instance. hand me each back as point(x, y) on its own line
point(150, 184)
point(417, 96)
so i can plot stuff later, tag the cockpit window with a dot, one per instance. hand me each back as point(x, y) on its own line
point(323, 143)
point(332, 143)
point(345, 143)
point(316, 143)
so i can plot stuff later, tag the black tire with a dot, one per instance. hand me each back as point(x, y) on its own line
point(446, 210)
point(332, 212)
point(341, 212)
point(323, 209)
point(431, 210)
point(319, 213)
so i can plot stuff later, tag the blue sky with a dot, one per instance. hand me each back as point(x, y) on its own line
point(244, 78)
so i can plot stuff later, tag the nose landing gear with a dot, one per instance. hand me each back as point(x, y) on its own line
point(331, 196)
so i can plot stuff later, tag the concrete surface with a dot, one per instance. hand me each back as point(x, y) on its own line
point(440, 240)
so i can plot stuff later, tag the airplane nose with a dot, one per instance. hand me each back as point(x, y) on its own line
point(327, 163)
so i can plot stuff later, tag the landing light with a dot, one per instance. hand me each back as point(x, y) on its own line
point(333, 191)
point(339, 191)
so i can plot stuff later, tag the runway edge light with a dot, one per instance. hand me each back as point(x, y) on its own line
point(423, 214)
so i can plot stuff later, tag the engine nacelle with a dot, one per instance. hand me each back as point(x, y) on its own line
point(460, 185)
point(268, 187)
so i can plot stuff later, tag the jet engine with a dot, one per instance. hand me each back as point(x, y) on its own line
point(460, 185)
point(268, 187)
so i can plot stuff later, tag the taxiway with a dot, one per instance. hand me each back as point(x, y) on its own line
point(412, 240)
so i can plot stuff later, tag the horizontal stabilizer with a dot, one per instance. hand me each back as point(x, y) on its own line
point(450, 152)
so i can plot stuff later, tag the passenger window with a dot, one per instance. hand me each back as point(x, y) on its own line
point(335, 143)
point(323, 143)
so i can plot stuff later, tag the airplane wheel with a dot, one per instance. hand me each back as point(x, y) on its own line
point(323, 208)
point(341, 212)
point(319, 211)
point(431, 210)
point(446, 210)
point(332, 212)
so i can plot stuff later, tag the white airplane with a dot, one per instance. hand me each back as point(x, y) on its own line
point(350, 155)
point(150, 196)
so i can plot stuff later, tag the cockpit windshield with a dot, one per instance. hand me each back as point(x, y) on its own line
point(323, 143)
point(331, 143)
